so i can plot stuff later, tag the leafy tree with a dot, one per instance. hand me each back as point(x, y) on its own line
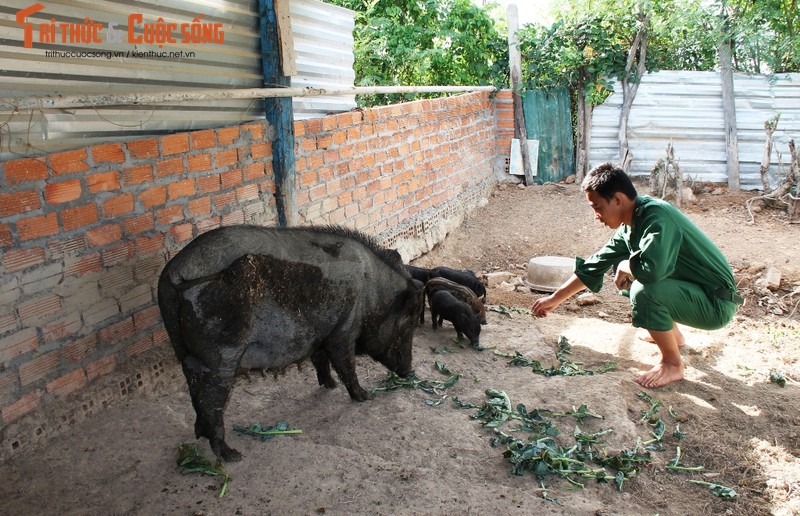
point(424, 42)
point(581, 54)
point(596, 46)
point(765, 34)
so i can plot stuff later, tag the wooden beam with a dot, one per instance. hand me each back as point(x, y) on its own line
point(286, 38)
point(729, 112)
point(515, 64)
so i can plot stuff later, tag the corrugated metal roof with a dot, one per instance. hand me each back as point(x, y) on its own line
point(323, 41)
point(686, 108)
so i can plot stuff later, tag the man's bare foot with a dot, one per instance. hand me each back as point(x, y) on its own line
point(660, 375)
point(679, 338)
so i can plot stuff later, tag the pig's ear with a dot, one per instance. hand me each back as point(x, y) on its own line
point(418, 286)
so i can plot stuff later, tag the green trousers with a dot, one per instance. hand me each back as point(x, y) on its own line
point(656, 306)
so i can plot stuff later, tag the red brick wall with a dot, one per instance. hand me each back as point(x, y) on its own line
point(85, 233)
point(389, 171)
point(83, 237)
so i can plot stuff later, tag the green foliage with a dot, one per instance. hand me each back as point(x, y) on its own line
point(542, 456)
point(424, 42)
point(192, 459)
point(587, 47)
point(566, 366)
point(392, 382)
point(765, 34)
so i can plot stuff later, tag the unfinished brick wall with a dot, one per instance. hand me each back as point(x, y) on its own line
point(85, 233)
point(398, 172)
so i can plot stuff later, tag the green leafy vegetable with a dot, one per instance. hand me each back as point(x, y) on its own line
point(542, 456)
point(675, 465)
point(192, 459)
point(580, 414)
point(655, 406)
point(509, 311)
point(777, 378)
point(267, 432)
point(443, 351)
point(566, 368)
point(717, 489)
point(436, 403)
point(392, 382)
point(463, 404)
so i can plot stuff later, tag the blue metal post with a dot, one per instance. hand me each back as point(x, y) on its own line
point(279, 115)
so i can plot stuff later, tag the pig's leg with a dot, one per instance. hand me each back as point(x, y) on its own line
point(210, 391)
point(323, 366)
point(341, 353)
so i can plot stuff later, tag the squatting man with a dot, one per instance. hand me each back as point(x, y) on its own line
point(670, 269)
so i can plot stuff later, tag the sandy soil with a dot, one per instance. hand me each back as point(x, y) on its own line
point(401, 453)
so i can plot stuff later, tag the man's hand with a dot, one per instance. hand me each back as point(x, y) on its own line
point(623, 279)
point(542, 306)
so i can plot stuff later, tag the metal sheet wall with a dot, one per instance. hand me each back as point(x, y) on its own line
point(686, 108)
point(323, 40)
point(323, 43)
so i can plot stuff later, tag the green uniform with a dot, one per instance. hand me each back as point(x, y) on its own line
point(681, 276)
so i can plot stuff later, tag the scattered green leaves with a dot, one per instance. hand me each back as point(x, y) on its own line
point(566, 368)
point(192, 459)
point(509, 310)
point(676, 465)
point(392, 382)
point(717, 489)
point(649, 415)
point(267, 432)
point(580, 414)
point(542, 456)
point(463, 404)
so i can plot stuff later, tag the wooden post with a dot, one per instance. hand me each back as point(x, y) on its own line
point(729, 111)
point(515, 65)
point(279, 112)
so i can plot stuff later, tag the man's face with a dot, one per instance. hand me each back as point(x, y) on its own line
point(607, 212)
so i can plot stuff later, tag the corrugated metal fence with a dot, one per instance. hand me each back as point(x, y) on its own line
point(222, 51)
point(686, 108)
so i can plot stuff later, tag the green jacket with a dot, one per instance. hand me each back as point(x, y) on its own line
point(660, 243)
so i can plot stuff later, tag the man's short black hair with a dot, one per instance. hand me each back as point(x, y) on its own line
point(607, 179)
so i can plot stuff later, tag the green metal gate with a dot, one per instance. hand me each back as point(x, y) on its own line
point(548, 119)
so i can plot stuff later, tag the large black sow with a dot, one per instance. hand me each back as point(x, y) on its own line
point(249, 297)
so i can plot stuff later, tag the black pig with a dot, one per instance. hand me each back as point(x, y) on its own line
point(460, 292)
point(466, 278)
point(445, 306)
point(248, 297)
point(419, 273)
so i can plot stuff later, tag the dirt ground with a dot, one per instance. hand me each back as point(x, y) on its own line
point(402, 453)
